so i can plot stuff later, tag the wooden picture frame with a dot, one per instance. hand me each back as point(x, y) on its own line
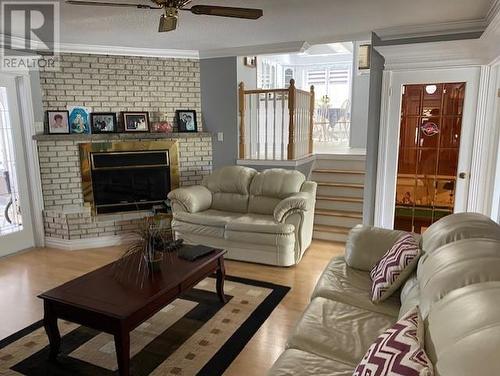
point(137, 122)
point(103, 122)
point(186, 121)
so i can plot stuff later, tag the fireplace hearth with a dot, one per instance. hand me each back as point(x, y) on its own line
point(128, 176)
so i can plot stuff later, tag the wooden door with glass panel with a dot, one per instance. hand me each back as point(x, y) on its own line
point(429, 146)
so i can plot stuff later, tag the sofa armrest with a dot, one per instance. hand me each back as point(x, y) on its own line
point(366, 245)
point(299, 202)
point(192, 199)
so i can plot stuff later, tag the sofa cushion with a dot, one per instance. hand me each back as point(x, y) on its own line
point(352, 286)
point(209, 222)
point(260, 229)
point(398, 351)
point(394, 268)
point(295, 362)
point(463, 331)
point(366, 245)
point(410, 295)
point(269, 187)
point(257, 223)
point(456, 265)
point(338, 331)
point(457, 227)
point(230, 188)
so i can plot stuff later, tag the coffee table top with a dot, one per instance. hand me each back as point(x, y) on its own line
point(111, 291)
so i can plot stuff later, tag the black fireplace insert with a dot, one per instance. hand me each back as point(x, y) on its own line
point(129, 181)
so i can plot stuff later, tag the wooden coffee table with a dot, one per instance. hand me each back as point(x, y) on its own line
point(101, 301)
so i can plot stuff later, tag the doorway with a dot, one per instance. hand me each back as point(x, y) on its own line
point(16, 229)
point(421, 107)
point(429, 145)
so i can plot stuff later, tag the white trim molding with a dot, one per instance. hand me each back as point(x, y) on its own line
point(94, 49)
point(432, 30)
point(89, 243)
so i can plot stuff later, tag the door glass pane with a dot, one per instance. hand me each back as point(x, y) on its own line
point(431, 122)
point(10, 213)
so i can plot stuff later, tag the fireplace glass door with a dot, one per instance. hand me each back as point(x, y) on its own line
point(429, 146)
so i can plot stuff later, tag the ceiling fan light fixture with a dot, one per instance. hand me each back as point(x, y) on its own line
point(168, 21)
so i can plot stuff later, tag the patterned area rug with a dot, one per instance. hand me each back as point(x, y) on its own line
point(195, 335)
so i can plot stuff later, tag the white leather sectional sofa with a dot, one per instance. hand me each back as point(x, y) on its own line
point(456, 286)
point(263, 217)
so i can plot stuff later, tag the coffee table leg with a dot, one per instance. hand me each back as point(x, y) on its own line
point(221, 274)
point(122, 346)
point(50, 324)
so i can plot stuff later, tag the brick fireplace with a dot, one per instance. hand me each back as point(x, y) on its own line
point(70, 222)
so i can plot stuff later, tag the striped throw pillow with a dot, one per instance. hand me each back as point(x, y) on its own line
point(399, 351)
point(394, 268)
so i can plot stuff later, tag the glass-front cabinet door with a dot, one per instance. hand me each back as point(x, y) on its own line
point(429, 146)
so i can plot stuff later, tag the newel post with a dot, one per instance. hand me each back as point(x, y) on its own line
point(242, 119)
point(311, 120)
point(291, 126)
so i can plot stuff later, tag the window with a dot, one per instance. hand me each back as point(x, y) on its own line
point(289, 75)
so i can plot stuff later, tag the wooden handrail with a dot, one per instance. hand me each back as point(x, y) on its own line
point(265, 91)
point(242, 120)
point(296, 144)
point(311, 119)
point(291, 126)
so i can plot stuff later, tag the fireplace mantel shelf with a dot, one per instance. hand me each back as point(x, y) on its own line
point(117, 136)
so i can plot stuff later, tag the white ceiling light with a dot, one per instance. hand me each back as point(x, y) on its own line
point(430, 89)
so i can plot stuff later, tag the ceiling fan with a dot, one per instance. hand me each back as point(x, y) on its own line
point(168, 20)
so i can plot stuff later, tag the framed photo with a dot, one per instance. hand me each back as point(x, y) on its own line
point(103, 122)
point(135, 121)
point(186, 120)
point(79, 119)
point(58, 122)
point(250, 61)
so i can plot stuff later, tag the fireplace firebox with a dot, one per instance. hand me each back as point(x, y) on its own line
point(128, 176)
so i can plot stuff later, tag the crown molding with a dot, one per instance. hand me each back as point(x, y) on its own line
point(433, 30)
point(275, 48)
point(128, 51)
point(433, 55)
point(112, 50)
point(493, 11)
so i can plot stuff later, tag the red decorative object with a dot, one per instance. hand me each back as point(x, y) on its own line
point(162, 127)
point(430, 129)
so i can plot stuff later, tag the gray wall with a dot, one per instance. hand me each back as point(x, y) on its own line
point(246, 74)
point(359, 110)
point(376, 70)
point(219, 104)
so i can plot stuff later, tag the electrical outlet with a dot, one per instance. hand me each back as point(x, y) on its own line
point(220, 136)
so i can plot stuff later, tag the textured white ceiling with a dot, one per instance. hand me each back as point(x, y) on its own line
point(314, 21)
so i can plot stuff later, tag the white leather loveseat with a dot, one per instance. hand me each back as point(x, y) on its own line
point(456, 286)
point(264, 217)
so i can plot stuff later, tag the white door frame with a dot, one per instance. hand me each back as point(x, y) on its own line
point(393, 82)
point(26, 119)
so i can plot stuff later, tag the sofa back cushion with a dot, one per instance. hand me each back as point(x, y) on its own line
point(456, 265)
point(463, 331)
point(271, 186)
point(230, 188)
point(457, 227)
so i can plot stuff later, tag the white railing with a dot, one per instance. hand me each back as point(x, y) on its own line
point(275, 124)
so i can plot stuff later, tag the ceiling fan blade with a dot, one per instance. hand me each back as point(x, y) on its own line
point(210, 10)
point(104, 4)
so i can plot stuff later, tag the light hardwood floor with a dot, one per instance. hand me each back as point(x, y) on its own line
point(25, 275)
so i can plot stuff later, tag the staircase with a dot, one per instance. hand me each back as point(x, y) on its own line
point(339, 201)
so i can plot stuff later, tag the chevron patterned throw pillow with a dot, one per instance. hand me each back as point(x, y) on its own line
point(394, 268)
point(399, 351)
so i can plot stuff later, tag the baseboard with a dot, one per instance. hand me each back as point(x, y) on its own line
point(76, 244)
